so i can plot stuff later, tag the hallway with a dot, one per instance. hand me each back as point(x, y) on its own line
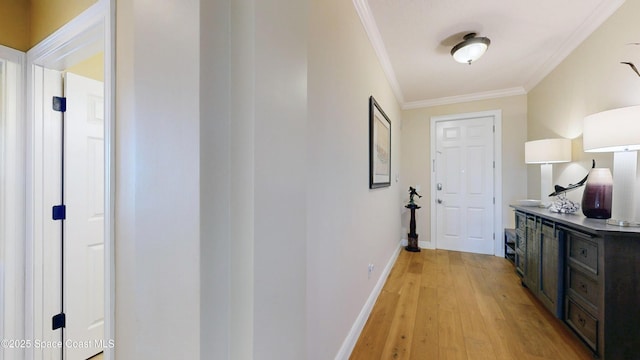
point(440, 304)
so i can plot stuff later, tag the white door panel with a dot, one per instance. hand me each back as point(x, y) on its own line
point(464, 167)
point(84, 226)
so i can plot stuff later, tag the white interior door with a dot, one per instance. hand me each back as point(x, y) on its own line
point(84, 225)
point(48, 259)
point(464, 185)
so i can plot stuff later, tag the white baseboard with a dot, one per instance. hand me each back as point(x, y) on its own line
point(351, 339)
point(426, 244)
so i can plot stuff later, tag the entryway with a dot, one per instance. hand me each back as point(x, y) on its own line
point(466, 169)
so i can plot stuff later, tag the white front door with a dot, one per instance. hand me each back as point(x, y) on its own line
point(464, 176)
point(84, 224)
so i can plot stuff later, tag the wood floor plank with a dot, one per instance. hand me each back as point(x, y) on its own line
point(376, 330)
point(415, 264)
point(429, 269)
point(394, 281)
point(450, 334)
point(398, 344)
point(425, 332)
point(440, 304)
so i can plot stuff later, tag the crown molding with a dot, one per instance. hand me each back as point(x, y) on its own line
point(594, 21)
point(371, 28)
point(493, 94)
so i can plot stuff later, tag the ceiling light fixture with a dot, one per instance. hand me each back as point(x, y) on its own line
point(471, 49)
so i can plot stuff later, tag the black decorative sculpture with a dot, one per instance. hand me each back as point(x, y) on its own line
point(561, 189)
point(562, 204)
point(412, 236)
point(412, 193)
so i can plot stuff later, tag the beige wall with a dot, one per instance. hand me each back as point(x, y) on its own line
point(14, 24)
point(93, 67)
point(589, 80)
point(348, 225)
point(24, 23)
point(46, 16)
point(416, 154)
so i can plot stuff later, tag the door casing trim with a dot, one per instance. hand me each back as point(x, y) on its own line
point(12, 208)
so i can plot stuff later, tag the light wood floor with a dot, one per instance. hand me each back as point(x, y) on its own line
point(439, 304)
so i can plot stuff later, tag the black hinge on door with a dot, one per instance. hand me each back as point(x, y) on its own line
point(59, 212)
point(59, 103)
point(58, 321)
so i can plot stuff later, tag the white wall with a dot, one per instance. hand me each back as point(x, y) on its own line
point(280, 182)
point(416, 153)
point(263, 152)
point(348, 225)
point(157, 181)
point(591, 79)
point(215, 190)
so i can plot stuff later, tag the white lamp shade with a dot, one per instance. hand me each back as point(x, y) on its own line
point(470, 53)
point(547, 151)
point(471, 49)
point(612, 130)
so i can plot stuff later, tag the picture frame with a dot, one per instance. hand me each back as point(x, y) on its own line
point(379, 146)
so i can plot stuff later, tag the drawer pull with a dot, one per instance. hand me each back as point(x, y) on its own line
point(584, 287)
point(583, 252)
point(582, 321)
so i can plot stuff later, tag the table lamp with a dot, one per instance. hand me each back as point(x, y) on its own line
point(546, 153)
point(617, 131)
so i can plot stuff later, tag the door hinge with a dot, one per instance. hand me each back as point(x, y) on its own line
point(59, 103)
point(494, 164)
point(59, 212)
point(494, 201)
point(58, 321)
point(494, 128)
point(494, 236)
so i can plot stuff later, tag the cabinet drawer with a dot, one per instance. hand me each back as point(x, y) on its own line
point(521, 243)
point(531, 222)
point(584, 286)
point(520, 220)
point(519, 262)
point(583, 251)
point(583, 323)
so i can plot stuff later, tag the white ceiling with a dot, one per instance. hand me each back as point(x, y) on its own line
point(412, 39)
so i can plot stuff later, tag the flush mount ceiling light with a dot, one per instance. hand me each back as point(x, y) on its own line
point(471, 49)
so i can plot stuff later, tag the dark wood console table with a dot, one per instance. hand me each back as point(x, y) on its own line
point(587, 273)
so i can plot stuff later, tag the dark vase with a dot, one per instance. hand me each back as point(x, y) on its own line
point(597, 196)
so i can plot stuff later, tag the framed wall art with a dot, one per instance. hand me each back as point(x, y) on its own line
point(379, 146)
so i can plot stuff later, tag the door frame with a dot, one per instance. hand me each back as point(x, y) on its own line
point(497, 174)
point(12, 208)
point(91, 31)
